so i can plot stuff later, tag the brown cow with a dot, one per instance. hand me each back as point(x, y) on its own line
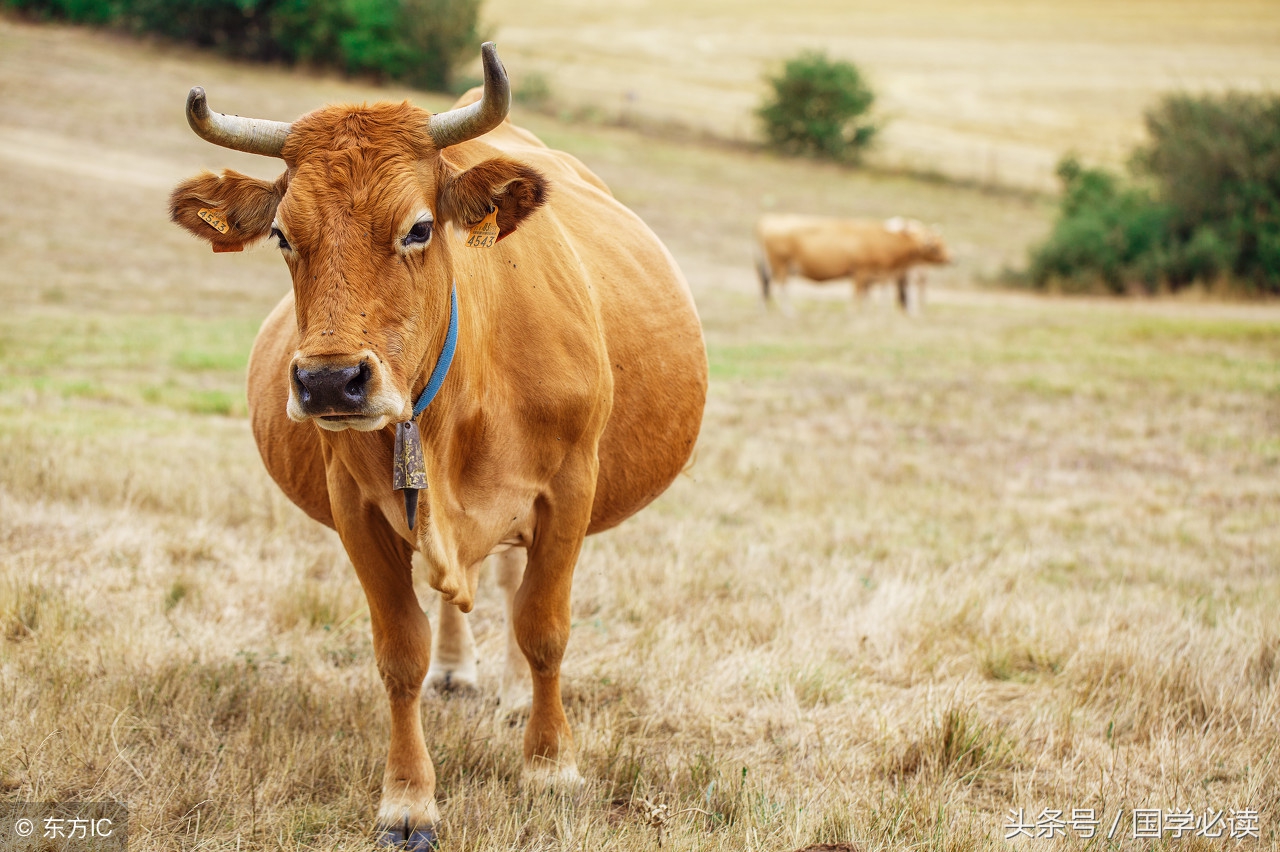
point(865, 251)
point(567, 356)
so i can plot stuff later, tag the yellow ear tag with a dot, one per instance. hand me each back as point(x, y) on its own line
point(485, 234)
point(216, 219)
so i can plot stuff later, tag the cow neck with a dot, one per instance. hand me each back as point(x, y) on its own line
point(436, 380)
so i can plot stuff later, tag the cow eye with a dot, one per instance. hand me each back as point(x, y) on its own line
point(418, 235)
point(284, 244)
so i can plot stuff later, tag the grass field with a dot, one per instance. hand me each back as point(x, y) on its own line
point(994, 91)
point(1014, 553)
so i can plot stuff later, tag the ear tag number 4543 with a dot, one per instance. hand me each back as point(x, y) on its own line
point(485, 233)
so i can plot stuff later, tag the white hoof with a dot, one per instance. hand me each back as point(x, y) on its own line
point(453, 679)
point(543, 774)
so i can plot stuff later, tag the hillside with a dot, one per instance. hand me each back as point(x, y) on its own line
point(987, 90)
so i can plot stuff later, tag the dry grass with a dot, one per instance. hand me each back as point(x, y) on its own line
point(1016, 553)
point(994, 91)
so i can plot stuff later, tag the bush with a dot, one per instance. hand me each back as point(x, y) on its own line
point(1216, 160)
point(441, 33)
point(818, 108)
point(415, 41)
point(1105, 234)
point(1202, 203)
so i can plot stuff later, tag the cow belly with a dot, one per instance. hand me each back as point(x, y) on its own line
point(659, 367)
point(821, 270)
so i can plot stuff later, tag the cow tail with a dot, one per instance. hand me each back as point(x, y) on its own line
point(762, 268)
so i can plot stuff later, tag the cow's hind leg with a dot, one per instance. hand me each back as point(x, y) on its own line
point(903, 292)
point(766, 276)
point(542, 616)
point(407, 815)
point(517, 685)
point(453, 659)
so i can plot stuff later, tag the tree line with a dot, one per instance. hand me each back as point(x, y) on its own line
point(419, 42)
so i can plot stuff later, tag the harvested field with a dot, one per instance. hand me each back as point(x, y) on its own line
point(1015, 553)
point(994, 91)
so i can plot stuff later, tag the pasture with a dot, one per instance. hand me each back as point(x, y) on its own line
point(1015, 553)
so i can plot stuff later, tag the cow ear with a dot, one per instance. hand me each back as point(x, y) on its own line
point(514, 189)
point(228, 210)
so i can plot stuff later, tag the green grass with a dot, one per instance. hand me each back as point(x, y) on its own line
point(179, 363)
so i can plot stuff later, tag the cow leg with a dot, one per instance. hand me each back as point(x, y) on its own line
point(782, 285)
point(765, 272)
point(407, 814)
point(861, 286)
point(453, 659)
point(903, 301)
point(517, 686)
point(542, 616)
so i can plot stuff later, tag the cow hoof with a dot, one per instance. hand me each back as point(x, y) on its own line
point(545, 775)
point(404, 836)
point(452, 683)
point(459, 681)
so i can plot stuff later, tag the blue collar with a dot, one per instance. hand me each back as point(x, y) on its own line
point(445, 359)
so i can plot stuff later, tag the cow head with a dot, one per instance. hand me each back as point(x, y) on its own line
point(931, 248)
point(360, 216)
point(928, 244)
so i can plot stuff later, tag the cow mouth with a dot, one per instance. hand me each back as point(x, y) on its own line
point(356, 422)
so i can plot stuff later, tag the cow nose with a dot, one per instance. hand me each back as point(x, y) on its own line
point(337, 390)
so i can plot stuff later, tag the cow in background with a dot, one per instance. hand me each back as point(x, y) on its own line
point(863, 250)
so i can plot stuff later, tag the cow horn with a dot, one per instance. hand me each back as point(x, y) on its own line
point(468, 122)
point(251, 135)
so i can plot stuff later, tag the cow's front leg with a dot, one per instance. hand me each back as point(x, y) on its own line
point(517, 687)
point(407, 815)
point(861, 286)
point(542, 617)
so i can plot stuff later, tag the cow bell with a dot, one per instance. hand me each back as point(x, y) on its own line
point(408, 469)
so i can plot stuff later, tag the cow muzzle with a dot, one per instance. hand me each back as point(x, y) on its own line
point(341, 394)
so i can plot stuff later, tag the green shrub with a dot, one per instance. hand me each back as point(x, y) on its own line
point(415, 41)
point(372, 42)
point(80, 11)
point(1216, 160)
point(234, 26)
point(1105, 233)
point(1202, 203)
point(817, 107)
point(308, 32)
point(440, 34)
